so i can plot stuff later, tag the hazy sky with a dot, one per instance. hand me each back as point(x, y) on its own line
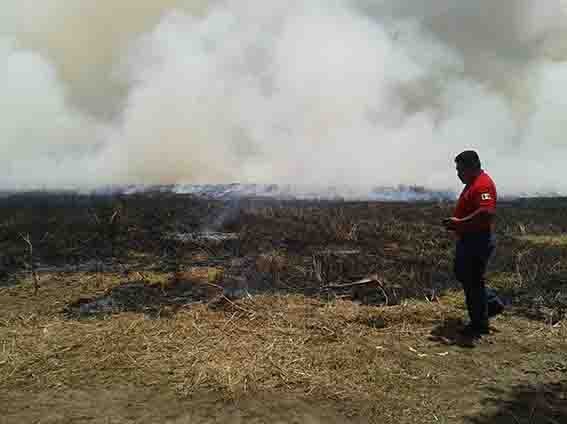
point(353, 92)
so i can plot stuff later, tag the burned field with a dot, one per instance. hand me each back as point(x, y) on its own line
point(350, 308)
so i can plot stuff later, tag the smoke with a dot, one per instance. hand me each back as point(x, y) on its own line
point(355, 93)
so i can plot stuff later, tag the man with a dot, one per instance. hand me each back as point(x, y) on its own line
point(473, 223)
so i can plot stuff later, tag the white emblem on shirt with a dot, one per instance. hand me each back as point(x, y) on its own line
point(485, 196)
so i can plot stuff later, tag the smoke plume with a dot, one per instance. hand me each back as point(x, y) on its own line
point(324, 92)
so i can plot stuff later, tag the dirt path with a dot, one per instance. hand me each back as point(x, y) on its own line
point(125, 405)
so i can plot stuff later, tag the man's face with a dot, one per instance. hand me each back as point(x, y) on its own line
point(463, 173)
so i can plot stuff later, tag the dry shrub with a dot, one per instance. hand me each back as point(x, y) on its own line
point(349, 232)
point(272, 263)
point(343, 229)
point(203, 280)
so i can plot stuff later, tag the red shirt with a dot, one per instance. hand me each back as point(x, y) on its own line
point(481, 193)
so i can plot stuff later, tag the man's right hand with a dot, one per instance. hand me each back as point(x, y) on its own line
point(450, 223)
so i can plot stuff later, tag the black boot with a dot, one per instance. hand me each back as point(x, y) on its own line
point(495, 307)
point(475, 330)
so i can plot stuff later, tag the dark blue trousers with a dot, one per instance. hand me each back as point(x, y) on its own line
point(472, 255)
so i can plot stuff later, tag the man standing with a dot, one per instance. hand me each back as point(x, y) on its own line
point(473, 223)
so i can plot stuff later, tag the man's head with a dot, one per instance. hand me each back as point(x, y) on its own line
point(468, 166)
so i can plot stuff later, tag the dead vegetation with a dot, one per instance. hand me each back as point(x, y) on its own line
point(352, 304)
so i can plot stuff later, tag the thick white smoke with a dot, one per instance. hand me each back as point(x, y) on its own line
point(358, 93)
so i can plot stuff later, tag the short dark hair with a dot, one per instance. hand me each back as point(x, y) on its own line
point(469, 159)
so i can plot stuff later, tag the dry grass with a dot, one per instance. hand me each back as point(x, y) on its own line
point(373, 359)
point(549, 240)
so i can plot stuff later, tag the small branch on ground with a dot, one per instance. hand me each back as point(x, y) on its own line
point(34, 276)
point(363, 282)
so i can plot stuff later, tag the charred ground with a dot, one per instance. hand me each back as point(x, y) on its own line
point(236, 299)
